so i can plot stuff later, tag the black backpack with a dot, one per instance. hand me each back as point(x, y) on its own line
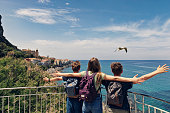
point(72, 87)
point(115, 94)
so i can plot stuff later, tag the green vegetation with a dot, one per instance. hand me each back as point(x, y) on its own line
point(18, 72)
point(11, 51)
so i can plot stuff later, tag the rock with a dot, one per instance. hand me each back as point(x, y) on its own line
point(2, 38)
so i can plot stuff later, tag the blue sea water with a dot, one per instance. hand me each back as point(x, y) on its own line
point(158, 86)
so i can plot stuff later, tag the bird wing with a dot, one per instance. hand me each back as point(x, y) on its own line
point(126, 49)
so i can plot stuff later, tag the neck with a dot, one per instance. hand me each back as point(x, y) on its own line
point(75, 71)
point(117, 75)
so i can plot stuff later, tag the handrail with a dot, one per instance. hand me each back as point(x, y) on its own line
point(62, 86)
point(51, 96)
point(150, 97)
point(30, 87)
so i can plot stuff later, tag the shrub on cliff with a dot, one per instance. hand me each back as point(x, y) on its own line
point(19, 73)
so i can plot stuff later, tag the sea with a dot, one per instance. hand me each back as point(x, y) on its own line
point(158, 86)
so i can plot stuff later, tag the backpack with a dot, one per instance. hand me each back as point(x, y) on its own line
point(87, 89)
point(115, 94)
point(72, 87)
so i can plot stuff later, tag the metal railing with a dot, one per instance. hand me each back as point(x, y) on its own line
point(52, 99)
point(141, 103)
point(44, 99)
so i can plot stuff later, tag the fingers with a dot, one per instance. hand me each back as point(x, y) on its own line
point(159, 66)
point(136, 75)
point(163, 65)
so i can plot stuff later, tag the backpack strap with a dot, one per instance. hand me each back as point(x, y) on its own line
point(93, 79)
point(91, 75)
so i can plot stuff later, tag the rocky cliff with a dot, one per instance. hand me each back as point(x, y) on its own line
point(2, 38)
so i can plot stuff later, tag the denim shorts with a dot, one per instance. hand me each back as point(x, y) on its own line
point(74, 105)
point(93, 107)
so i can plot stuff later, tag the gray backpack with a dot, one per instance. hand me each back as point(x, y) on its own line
point(115, 94)
point(72, 87)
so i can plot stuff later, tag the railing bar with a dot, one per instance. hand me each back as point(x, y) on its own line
point(63, 103)
point(46, 102)
point(135, 103)
point(41, 103)
point(8, 104)
point(59, 100)
point(24, 104)
point(30, 87)
point(14, 105)
point(148, 109)
point(54, 102)
point(50, 104)
point(143, 105)
point(19, 104)
point(36, 99)
point(154, 110)
point(29, 101)
point(151, 106)
point(149, 97)
point(29, 95)
point(3, 105)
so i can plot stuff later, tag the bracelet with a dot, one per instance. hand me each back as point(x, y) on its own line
point(49, 80)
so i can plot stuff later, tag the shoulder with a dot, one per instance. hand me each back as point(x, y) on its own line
point(83, 73)
point(103, 75)
point(127, 85)
point(65, 78)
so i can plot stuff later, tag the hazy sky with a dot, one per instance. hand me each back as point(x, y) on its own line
point(81, 29)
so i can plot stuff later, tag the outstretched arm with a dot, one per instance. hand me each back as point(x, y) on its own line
point(52, 79)
point(159, 70)
point(67, 74)
point(122, 79)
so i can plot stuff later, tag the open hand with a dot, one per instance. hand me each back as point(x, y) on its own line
point(162, 69)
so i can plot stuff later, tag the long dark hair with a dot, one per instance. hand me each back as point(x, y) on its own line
point(94, 67)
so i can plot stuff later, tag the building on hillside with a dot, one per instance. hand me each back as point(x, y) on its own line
point(34, 53)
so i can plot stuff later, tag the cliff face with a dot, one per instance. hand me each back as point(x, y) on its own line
point(2, 38)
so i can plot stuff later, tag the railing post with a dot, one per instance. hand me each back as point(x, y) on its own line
point(59, 99)
point(19, 104)
point(2, 104)
point(148, 109)
point(143, 104)
point(8, 104)
point(24, 102)
point(30, 101)
point(36, 98)
point(50, 104)
point(135, 103)
point(14, 105)
point(154, 110)
point(41, 103)
point(54, 102)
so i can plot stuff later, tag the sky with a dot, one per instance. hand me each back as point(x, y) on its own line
point(81, 29)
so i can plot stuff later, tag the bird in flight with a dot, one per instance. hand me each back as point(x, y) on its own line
point(121, 48)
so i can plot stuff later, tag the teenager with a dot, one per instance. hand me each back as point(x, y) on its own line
point(114, 87)
point(94, 67)
point(74, 105)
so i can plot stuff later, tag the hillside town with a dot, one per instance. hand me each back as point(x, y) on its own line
point(52, 64)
